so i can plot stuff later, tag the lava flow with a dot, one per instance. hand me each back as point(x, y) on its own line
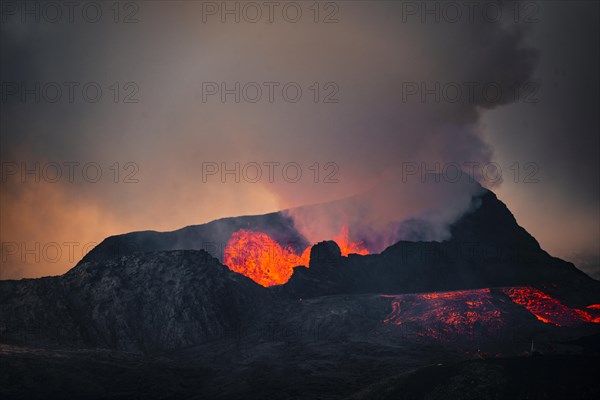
point(440, 314)
point(547, 309)
point(260, 258)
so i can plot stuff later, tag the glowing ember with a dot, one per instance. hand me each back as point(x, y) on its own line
point(548, 309)
point(259, 257)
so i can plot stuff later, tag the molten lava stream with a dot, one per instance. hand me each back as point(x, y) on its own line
point(260, 258)
point(548, 309)
point(443, 315)
point(440, 315)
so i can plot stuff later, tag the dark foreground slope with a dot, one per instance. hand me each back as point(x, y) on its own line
point(142, 302)
point(541, 377)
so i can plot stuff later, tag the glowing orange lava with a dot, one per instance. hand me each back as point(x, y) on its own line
point(547, 309)
point(259, 257)
point(348, 247)
point(594, 307)
point(442, 314)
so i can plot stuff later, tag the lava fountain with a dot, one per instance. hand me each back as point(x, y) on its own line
point(262, 259)
point(348, 247)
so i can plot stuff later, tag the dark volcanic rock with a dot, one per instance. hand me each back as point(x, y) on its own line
point(410, 267)
point(325, 275)
point(211, 237)
point(547, 377)
point(325, 255)
point(487, 249)
point(492, 223)
point(143, 302)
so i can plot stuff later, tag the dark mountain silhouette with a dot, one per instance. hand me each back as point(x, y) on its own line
point(212, 237)
point(487, 249)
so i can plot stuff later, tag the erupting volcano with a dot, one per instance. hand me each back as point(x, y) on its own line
point(268, 263)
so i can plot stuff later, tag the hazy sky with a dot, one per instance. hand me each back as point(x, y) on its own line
point(369, 90)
